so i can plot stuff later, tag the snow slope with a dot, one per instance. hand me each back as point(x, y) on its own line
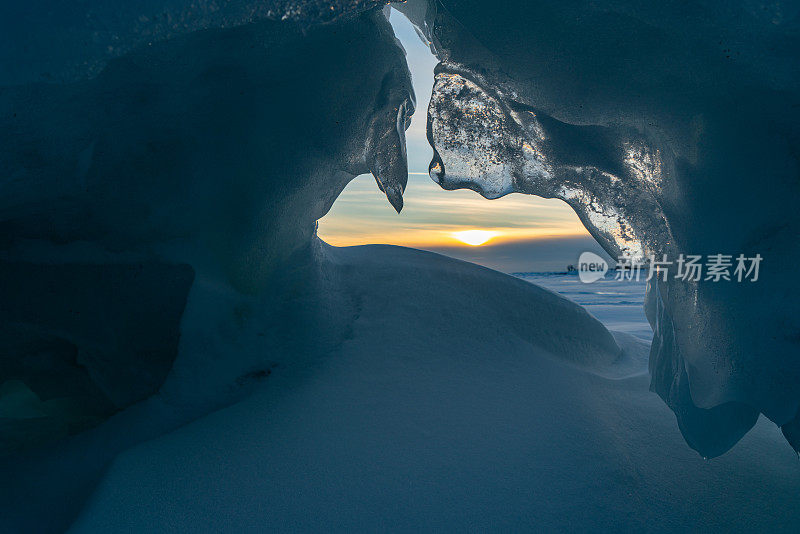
point(440, 411)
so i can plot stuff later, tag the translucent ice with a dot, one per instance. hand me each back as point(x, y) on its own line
point(669, 132)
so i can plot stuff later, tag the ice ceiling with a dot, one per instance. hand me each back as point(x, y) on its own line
point(201, 141)
point(656, 130)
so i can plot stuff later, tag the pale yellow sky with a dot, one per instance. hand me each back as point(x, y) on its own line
point(431, 215)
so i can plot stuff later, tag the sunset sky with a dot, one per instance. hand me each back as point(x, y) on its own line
point(525, 229)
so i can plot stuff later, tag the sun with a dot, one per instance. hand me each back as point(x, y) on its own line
point(474, 237)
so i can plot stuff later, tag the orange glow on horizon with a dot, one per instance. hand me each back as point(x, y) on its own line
point(432, 217)
point(446, 237)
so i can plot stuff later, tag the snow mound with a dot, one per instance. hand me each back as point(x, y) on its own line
point(442, 409)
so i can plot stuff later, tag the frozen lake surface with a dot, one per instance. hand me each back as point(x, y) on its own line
point(619, 305)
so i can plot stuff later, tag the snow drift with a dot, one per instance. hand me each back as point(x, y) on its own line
point(442, 410)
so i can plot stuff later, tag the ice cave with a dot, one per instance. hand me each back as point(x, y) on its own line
point(180, 350)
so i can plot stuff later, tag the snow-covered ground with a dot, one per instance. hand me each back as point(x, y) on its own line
point(452, 405)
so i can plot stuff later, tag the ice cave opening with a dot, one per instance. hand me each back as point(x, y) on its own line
point(180, 351)
point(538, 238)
